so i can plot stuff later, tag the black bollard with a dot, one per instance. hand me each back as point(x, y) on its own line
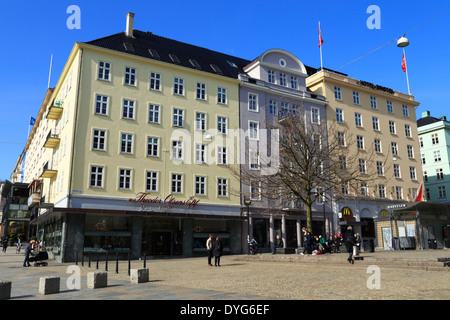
point(145, 260)
point(76, 257)
point(82, 258)
point(129, 263)
point(98, 256)
point(89, 260)
point(106, 262)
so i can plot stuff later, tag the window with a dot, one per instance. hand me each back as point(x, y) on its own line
point(364, 189)
point(373, 102)
point(273, 109)
point(222, 155)
point(440, 174)
point(421, 142)
point(294, 82)
point(355, 97)
point(177, 117)
point(343, 162)
point(255, 190)
point(424, 161)
point(152, 147)
point(200, 186)
point(394, 148)
point(405, 110)
point(101, 104)
point(442, 192)
point(155, 81)
point(104, 70)
point(126, 143)
point(434, 139)
point(412, 173)
point(375, 123)
point(382, 191)
point(397, 171)
point(200, 121)
point(130, 76)
point(283, 79)
point(177, 150)
point(399, 193)
point(315, 115)
point(222, 187)
point(128, 109)
point(253, 160)
point(151, 181)
point(253, 128)
point(389, 106)
point(340, 115)
point(425, 176)
point(252, 102)
point(380, 169)
point(200, 151)
point(362, 166)
point(96, 177)
point(341, 138)
point(98, 140)
point(177, 183)
point(337, 93)
point(437, 156)
point(391, 127)
point(201, 91)
point(125, 179)
point(221, 125)
point(410, 151)
point(360, 142)
point(407, 130)
point(178, 86)
point(344, 188)
point(154, 113)
point(377, 145)
point(221, 95)
point(271, 76)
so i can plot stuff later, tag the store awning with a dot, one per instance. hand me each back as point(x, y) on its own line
point(424, 208)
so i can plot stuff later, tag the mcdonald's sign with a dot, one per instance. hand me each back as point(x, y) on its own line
point(347, 214)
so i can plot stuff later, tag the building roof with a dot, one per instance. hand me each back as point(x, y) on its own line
point(426, 121)
point(151, 46)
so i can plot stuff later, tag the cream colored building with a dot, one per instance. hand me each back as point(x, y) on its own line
point(129, 151)
point(381, 125)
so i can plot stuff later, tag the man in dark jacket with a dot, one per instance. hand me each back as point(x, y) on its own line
point(349, 240)
point(28, 249)
point(278, 244)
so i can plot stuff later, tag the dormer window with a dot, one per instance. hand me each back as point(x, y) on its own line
point(271, 75)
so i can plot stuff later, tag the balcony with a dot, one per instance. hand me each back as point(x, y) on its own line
point(34, 199)
point(55, 111)
point(48, 173)
point(52, 141)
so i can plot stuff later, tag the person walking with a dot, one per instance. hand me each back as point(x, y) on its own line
point(19, 245)
point(349, 240)
point(28, 249)
point(307, 241)
point(5, 243)
point(357, 244)
point(217, 251)
point(278, 244)
point(209, 248)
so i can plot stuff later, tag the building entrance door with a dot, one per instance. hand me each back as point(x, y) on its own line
point(161, 242)
point(387, 238)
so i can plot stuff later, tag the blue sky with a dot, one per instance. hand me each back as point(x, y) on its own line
point(34, 30)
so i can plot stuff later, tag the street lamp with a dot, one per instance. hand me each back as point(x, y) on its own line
point(248, 202)
point(402, 43)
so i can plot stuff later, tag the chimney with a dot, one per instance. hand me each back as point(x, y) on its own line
point(130, 20)
point(426, 114)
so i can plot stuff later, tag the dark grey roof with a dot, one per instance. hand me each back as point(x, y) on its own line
point(151, 46)
point(427, 120)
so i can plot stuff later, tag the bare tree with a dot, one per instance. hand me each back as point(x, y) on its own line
point(314, 162)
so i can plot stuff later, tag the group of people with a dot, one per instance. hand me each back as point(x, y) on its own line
point(214, 248)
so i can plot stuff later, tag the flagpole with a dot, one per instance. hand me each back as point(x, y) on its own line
point(406, 68)
point(50, 71)
point(29, 128)
point(320, 46)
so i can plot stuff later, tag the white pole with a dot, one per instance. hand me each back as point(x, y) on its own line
point(321, 61)
point(406, 67)
point(50, 72)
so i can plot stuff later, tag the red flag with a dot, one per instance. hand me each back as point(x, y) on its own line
point(420, 194)
point(404, 63)
point(320, 37)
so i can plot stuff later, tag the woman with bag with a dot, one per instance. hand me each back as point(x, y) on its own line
point(217, 251)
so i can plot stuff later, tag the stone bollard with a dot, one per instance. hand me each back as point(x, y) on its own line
point(139, 275)
point(49, 285)
point(5, 290)
point(97, 280)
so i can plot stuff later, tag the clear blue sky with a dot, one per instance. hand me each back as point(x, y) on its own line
point(33, 30)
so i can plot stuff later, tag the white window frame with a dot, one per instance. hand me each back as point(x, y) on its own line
point(152, 146)
point(222, 124)
point(177, 150)
point(96, 172)
point(200, 91)
point(98, 139)
point(253, 102)
point(152, 180)
point(339, 115)
point(155, 81)
point(104, 71)
point(178, 118)
point(200, 121)
point(373, 102)
point(178, 86)
point(154, 113)
point(315, 115)
point(126, 143)
point(253, 130)
point(412, 173)
point(128, 109)
point(129, 78)
point(358, 119)
point(392, 129)
point(389, 106)
point(200, 185)
point(271, 76)
point(221, 95)
point(222, 187)
point(200, 153)
point(337, 93)
point(176, 183)
point(101, 104)
point(356, 98)
point(222, 156)
point(125, 178)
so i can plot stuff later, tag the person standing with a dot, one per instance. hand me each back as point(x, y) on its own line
point(28, 249)
point(209, 248)
point(5, 243)
point(217, 251)
point(349, 240)
point(278, 244)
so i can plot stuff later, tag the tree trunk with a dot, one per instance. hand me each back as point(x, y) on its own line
point(308, 207)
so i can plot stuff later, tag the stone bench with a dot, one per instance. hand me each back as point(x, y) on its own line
point(49, 285)
point(139, 275)
point(5, 290)
point(285, 251)
point(97, 280)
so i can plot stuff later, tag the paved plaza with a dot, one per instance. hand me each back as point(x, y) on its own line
point(402, 275)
